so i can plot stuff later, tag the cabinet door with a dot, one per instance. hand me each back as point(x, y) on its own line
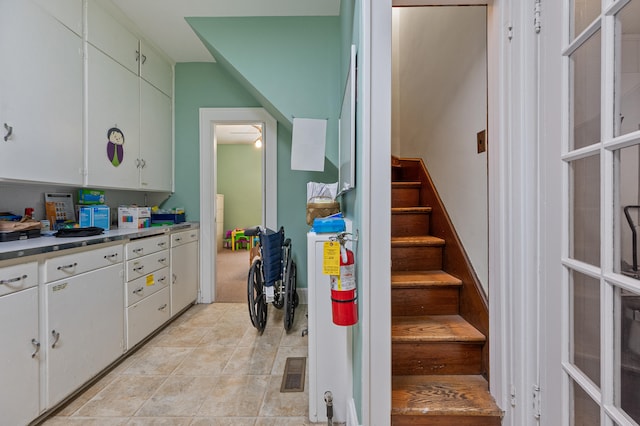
point(85, 328)
point(113, 104)
point(68, 12)
point(155, 69)
point(107, 34)
point(184, 276)
point(19, 372)
point(40, 96)
point(156, 148)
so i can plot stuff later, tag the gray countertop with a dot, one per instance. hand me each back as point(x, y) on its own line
point(50, 243)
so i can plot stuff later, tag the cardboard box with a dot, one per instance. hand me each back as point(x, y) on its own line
point(134, 217)
point(99, 216)
point(90, 196)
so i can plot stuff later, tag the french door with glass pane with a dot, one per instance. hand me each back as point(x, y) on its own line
point(601, 167)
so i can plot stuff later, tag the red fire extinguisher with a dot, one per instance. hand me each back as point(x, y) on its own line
point(344, 296)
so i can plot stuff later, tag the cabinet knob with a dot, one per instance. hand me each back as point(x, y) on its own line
point(143, 163)
point(9, 130)
point(36, 344)
point(69, 266)
point(13, 280)
point(139, 268)
point(138, 250)
point(138, 290)
point(163, 307)
point(137, 55)
point(56, 337)
point(144, 59)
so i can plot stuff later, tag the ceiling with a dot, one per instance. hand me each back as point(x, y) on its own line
point(238, 133)
point(162, 21)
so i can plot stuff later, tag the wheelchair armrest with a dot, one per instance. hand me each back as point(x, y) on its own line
point(287, 242)
point(252, 232)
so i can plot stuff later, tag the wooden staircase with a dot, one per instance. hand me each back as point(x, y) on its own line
point(439, 359)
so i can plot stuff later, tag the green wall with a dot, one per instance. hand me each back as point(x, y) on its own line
point(198, 85)
point(240, 180)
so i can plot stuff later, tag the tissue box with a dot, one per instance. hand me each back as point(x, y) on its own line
point(134, 217)
point(90, 196)
point(99, 216)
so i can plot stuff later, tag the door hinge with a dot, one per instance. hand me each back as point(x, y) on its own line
point(537, 11)
point(536, 401)
point(510, 32)
point(513, 396)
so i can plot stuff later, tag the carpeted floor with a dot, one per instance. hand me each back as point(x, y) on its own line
point(232, 268)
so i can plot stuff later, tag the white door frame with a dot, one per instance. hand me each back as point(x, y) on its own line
point(209, 117)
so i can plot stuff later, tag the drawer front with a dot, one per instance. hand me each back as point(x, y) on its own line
point(145, 286)
point(18, 277)
point(184, 237)
point(73, 264)
point(146, 316)
point(145, 246)
point(138, 268)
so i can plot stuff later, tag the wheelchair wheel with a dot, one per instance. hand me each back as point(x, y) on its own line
point(291, 296)
point(255, 297)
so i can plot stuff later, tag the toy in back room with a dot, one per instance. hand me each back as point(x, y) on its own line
point(115, 148)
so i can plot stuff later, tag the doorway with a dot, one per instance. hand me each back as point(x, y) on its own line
point(238, 204)
point(209, 119)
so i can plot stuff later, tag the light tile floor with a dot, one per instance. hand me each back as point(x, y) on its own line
point(208, 367)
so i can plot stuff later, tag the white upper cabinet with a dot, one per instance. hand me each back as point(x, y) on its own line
point(113, 123)
point(156, 149)
point(69, 12)
point(41, 96)
point(155, 69)
point(110, 36)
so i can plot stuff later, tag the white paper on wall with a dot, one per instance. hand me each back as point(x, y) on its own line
point(308, 143)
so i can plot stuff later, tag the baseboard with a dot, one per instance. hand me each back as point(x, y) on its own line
point(303, 296)
point(352, 414)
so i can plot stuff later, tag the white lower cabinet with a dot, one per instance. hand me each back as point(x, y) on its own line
point(19, 373)
point(147, 315)
point(184, 269)
point(85, 328)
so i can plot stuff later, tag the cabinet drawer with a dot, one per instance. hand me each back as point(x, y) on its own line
point(73, 264)
point(144, 246)
point(138, 268)
point(184, 237)
point(145, 286)
point(18, 277)
point(147, 315)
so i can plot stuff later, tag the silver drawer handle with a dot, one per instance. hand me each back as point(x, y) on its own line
point(56, 337)
point(163, 307)
point(139, 268)
point(9, 132)
point(178, 239)
point(13, 280)
point(162, 244)
point(36, 344)
point(193, 235)
point(110, 256)
point(175, 278)
point(72, 265)
point(164, 259)
point(138, 290)
point(163, 279)
point(138, 250)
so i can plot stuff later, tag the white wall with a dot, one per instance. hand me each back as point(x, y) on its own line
point(440, 74)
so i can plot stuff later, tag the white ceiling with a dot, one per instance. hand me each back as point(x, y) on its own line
point(162, 21)
point(237, 133)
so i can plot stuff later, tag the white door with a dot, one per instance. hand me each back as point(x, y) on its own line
point(19, 373)
point(85, 328)
point(600, 286)
point(40, 96)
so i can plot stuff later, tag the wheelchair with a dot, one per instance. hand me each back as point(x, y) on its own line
point(272, 278)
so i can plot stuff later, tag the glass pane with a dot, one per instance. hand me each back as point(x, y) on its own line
point(628, 70)
point(628, 178)
point(583, 13)
point(586, 210)
point(585, 410)
point(585, 295)
point(585, 66)
point(629, 349)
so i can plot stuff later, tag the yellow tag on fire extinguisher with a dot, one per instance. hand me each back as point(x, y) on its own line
point(331, 258)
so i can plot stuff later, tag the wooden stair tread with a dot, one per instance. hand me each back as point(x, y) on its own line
point(410, 210)
point(418, 279)
point(455, 395)
point(416, 240)
point(406, 184)
point(433, 328)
